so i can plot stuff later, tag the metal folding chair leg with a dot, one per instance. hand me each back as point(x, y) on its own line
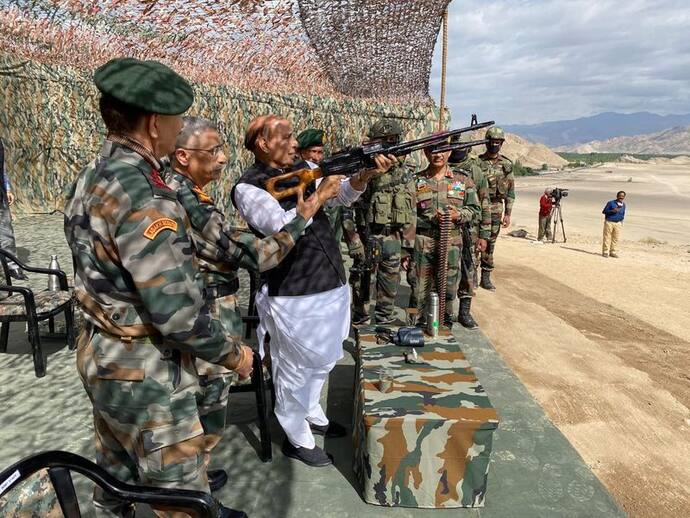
point(4, 336)
point(266, 454)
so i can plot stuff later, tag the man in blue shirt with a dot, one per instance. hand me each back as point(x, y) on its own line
point(6, 230)
point(614, 213)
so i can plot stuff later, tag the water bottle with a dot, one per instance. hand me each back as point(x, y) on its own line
point(53, 281)
point(432, 322)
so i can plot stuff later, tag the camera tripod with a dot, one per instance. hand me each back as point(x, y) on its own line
point(557, 215)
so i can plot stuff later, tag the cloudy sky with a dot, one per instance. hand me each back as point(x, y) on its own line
point(527, 61)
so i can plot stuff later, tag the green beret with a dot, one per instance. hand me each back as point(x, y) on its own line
point(148, 85)
point(310, 137)
point(385, 128)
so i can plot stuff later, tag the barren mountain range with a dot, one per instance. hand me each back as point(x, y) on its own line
point(669, 141)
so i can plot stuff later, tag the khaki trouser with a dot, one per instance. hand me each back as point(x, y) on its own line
point(544, 227)
point(612, 231)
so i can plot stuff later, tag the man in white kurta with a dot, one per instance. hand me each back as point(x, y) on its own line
point(307, 331)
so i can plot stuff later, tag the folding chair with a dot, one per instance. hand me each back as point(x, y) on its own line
point(60, 464)
point(32, 307)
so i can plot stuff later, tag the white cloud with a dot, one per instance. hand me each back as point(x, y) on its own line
point(522, 61)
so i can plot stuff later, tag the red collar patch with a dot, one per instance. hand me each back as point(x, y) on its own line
point(157, 181)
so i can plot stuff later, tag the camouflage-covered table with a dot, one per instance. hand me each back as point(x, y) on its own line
point(427, 441)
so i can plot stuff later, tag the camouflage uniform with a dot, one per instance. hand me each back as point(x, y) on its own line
point(221, 251)
point(138, 283)
point(499, 175)
point(453, 190)
point(387, 208)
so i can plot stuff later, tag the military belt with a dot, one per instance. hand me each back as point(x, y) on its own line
point(382, 230)
point(496, 199)
point(126, 339)
point(216, 291)
point(434, 232)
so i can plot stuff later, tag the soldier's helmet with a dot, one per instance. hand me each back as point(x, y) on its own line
point(495, 133)
point(385, 128)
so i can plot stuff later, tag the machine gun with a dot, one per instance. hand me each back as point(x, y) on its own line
point(355, 159)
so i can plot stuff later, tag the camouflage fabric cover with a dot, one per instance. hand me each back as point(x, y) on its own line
point(427, 442)
point(46, 301)
point(32, 498)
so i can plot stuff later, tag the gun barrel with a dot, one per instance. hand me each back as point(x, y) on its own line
point(445, 136)
point(459, 145)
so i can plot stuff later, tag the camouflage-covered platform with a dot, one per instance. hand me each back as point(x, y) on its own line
point(425, 441)
point(534, 471)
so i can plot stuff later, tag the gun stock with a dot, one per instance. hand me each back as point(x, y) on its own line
point(305, 176)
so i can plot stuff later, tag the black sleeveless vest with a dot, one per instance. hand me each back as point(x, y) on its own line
point(314, 265)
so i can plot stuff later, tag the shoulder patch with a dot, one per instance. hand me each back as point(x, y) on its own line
point(158, 226)
point(203, 197)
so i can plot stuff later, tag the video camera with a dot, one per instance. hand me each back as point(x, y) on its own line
point(557, 194)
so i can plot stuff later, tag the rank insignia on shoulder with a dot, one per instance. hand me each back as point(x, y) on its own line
point(201, 195)
point(158, 226)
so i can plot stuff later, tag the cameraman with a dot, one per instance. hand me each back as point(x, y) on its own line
point(545, 209)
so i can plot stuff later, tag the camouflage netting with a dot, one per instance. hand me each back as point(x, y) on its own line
point(50, 124)
point(334, 64)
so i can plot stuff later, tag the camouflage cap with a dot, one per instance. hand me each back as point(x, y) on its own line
point(148, 85)
point(495, 133)
point(384, 128)
point(310, 137)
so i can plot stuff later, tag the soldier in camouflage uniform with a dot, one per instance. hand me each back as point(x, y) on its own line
point(462, 162)
point(439, 189)
point(387, 208)
point(138, 283)
point(499, 174)
point(310, 149)
point(198, 160)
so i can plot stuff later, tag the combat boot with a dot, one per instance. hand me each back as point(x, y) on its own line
point(464, 317)
point(486, 281)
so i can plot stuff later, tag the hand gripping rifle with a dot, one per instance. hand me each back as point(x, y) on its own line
point(352, 160)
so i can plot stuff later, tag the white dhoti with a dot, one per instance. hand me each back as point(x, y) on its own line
point(307, 334)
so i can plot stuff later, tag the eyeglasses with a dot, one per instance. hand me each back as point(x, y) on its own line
point(214, 151)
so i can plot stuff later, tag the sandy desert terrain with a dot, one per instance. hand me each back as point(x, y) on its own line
point(604, 344)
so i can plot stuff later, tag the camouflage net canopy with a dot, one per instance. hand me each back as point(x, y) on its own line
point(361, 48)
point(334, 64)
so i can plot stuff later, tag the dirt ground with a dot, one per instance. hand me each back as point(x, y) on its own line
point(604, 344)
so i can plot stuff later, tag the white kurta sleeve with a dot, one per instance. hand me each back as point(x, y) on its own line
point(261, 210)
